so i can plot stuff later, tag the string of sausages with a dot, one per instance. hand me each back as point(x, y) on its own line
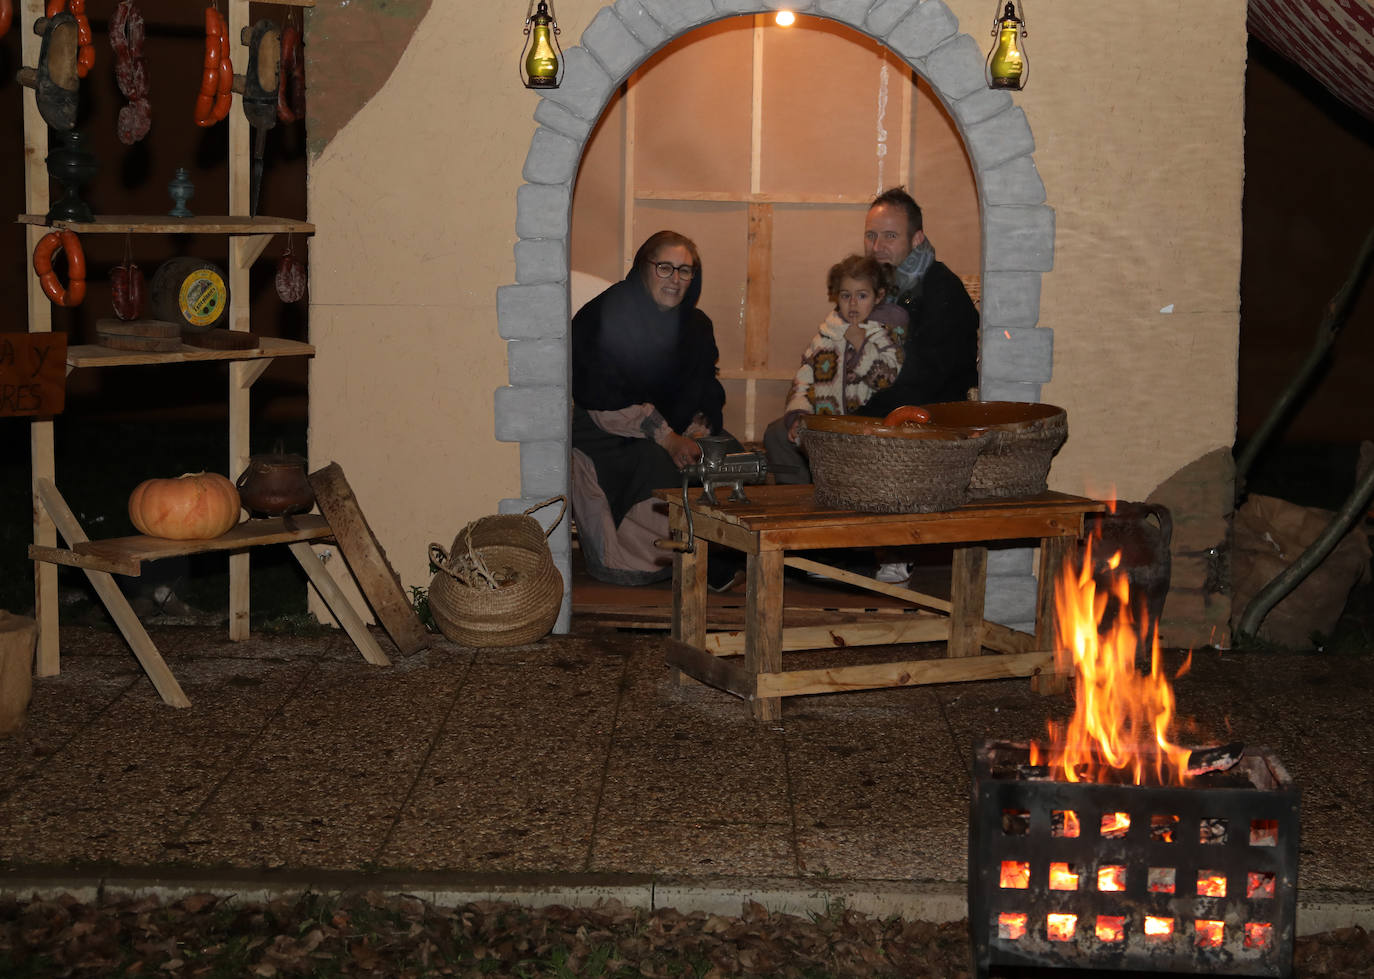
point(85, 54)
point(217, 78)
point(6, 16)
point(70, 245)
point(131, 72)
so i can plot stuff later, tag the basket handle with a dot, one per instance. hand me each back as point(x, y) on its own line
point(438, 556)
point(478, 565)
point(562, 510)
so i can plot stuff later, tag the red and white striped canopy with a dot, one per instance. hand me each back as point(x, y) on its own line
point(1332, 40)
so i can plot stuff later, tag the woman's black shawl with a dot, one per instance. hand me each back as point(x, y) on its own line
point(626, 351)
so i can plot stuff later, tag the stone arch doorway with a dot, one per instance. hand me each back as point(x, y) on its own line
point(1017, 230)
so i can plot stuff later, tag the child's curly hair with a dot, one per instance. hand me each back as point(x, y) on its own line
point(862, 268)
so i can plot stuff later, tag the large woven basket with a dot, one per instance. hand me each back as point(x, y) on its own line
point(497, 585)
point(1019, 440)
point(861, 464)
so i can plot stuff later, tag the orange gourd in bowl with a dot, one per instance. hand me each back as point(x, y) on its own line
point(194, 506)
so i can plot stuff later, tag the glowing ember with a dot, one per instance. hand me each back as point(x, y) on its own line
point(1063, 877)
point(1015, 873)
point(1061, 927)
point(1259, 885)
point(1011, 925)
point(1111, 928)
point(1064, 823)
point(1258, 934)
point(1211, 883)
point(1115, 825)
point(1209, 933)
point(1158, 927)
point(1123, 722)
point(1111, 877)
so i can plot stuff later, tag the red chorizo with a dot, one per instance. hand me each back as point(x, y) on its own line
point(906, 415)
point(70, 245)
point(224, 91)
point(128, 289)
point(209, 80)
point(290, 47)
point(6, 16)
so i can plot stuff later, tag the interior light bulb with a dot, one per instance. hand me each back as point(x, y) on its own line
point(785, 18)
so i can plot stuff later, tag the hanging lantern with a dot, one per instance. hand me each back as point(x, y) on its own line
point(1007, 65)
point(541, 64)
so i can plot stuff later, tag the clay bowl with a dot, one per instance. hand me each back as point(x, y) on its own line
point(862, 425)
point(985, 416)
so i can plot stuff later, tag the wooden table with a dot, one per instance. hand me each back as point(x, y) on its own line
point(780, 518)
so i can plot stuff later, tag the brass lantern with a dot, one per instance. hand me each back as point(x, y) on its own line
point(541, 63)
point(1007, 65)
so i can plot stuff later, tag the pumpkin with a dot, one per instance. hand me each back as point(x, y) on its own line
point(195, 506)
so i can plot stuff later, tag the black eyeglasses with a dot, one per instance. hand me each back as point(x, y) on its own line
point(665, 269)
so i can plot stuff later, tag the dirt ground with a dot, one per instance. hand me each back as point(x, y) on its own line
point(397, 936)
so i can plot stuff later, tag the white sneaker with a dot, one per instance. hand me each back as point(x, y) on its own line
point(894, 573)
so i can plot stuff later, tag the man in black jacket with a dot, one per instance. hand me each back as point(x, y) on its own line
point(941, 362)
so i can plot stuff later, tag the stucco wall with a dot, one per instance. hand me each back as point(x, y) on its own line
point(1139, 146)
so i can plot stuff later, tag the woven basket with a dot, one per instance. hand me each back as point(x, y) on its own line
point(859, 464)
point(497, 585)
point(1019, 442)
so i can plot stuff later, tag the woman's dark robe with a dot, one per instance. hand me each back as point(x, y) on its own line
point(626, 351)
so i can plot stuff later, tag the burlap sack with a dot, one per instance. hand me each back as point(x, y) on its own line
point(17, 637)
point(1270, 534)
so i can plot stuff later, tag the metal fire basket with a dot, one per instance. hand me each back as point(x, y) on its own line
point(1092, 875)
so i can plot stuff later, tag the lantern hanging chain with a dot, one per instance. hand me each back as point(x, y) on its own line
point(1018, 12)
point(553, 18)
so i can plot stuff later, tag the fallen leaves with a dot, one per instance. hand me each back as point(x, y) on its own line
point(374, 934)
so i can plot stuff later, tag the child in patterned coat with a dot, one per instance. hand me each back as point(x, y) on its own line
point(856, 353)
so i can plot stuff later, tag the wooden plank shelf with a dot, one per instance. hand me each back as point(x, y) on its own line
point(94, 355)
point(161, 224)
point(125, 555)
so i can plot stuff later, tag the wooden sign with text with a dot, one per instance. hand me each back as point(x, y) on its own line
point(33, 373)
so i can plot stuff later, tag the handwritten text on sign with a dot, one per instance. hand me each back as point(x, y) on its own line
point(33, 373)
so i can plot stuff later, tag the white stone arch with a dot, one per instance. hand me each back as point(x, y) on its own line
point(1017, 230)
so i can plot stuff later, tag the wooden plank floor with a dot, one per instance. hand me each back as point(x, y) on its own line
point(807, 601)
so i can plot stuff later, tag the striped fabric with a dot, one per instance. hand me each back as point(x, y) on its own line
point(1332, 40)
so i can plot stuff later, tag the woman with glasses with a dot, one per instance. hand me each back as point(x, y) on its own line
point(644, 388)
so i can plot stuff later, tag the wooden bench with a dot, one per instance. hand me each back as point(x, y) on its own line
point(778, 519)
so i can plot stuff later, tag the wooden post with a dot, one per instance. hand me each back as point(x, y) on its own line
point(763, 639)
point(967, 590)
point(17, 637)
point(1053, 553)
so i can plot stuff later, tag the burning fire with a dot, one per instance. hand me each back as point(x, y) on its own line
point(1158, 927)
point(1061, 927)
point(1211, 883)
point(1123, 722)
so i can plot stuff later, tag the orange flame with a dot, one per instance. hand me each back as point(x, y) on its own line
point(1158, 927)
point(1211, 883)
point(1063, 877)
point(1123, 722)
point(1111, 877)
point(1111, 928)
point(1011, 925)
point(1259, 885)
point(1209, 933)
point(1061, 927)
point(1015, 873)
point(1258, 934)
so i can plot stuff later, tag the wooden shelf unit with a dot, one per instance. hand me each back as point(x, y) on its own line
point(247, 238)
point(157, 224)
